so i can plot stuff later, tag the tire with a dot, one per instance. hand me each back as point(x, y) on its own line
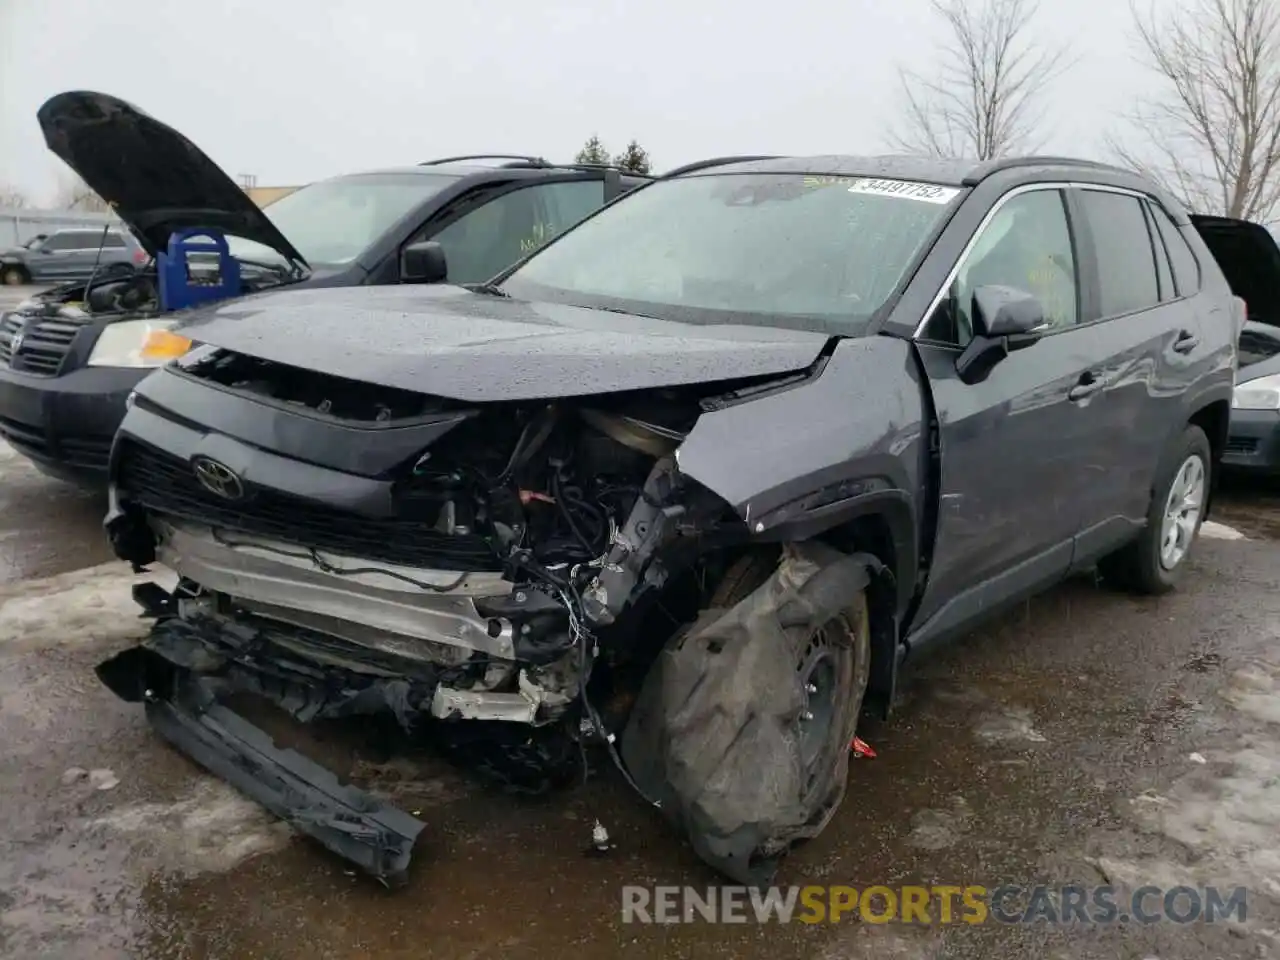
point(1153, 563)
point(842, 681)
point(14, 276)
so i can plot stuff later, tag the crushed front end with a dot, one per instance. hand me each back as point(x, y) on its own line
point(345, 549)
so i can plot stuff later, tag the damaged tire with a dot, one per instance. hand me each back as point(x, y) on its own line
point(741, 733)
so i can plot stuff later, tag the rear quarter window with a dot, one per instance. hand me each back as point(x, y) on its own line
point(1186, 269)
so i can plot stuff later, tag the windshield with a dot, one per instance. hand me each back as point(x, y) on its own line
point(334, 221)
point(786, 249)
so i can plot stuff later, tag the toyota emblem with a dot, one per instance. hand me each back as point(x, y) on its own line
point(217, 478)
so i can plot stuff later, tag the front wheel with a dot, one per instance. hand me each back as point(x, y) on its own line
point(1154, 561)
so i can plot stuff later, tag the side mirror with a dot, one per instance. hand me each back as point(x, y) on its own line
point(1005, 312)
point(423, 262)
point(1004, 319)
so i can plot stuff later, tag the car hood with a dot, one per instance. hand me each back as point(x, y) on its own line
point(156, 180)
point(451, 342)
point(1250, 259)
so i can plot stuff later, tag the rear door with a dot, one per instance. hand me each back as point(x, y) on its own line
point(1017, 447)
point(1150, 351)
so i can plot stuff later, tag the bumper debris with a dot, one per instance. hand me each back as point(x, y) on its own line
point(183, 707)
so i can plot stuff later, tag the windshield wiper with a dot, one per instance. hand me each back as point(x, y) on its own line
point(488, 289)
point(289, 271)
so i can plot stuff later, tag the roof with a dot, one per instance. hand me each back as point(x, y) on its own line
point(473, 169)
point(955, 173)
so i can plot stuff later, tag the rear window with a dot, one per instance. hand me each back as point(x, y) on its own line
point(816, 252)
point(1186, 269)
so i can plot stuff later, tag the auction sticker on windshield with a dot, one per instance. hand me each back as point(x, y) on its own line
point(907, 189)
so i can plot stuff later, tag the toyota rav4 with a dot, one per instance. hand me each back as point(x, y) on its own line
point(690, 483)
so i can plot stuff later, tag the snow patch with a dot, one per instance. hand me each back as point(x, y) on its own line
point(74, 608)
point(1010, 725)
point(1226, 814)
point(211, 830)
point(1220, 531)
point(1255, 690)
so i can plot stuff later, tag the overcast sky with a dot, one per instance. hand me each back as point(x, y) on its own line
point(293, 91)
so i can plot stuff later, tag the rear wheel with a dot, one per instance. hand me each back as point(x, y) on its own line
point(1153, 562)
point(14, 276)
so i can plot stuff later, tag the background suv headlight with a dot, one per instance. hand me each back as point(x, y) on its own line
point(1260, 394)
point(138, 343)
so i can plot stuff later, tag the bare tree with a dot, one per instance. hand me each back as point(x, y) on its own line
point(981, 101)
point(13, 198)
point(74, 194)
point(1212, 136)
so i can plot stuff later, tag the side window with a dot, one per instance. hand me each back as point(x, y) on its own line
point(1164, 272)
point(1026, 245)
point(490, 238)
point(59, 241)
point(114, 242)
point(569, 202)
point(1127, 279)
point(1186, 269)
point(484, 242)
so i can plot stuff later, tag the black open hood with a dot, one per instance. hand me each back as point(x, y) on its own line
point(1248, 255)
point(451, 342)
point(155, 179)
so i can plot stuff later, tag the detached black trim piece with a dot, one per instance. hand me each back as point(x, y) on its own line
point(373, 835)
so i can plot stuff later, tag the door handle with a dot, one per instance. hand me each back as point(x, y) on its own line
point(1089, 385)
point(1186, 342)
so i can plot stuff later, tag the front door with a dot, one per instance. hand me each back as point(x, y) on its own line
point(1016, 447)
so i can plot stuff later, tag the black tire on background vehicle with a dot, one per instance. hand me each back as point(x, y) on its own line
point(1153, 563)
point(13, 276)
point(833, 666)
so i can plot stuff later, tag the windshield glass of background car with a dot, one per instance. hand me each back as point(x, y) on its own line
point(334, 221)
point(743, 248)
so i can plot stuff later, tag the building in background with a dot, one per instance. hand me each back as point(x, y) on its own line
point(265, 195)
point(19, 226)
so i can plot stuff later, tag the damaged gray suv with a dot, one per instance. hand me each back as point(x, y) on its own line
point(690, 484)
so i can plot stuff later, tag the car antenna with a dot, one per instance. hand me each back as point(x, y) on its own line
point(102, 242)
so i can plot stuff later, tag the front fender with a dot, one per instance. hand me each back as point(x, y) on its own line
point(800, 461)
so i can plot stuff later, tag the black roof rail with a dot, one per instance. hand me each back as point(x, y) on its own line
point(713, 162)
point(988, 167)
point(520, 159)
point(625, 171)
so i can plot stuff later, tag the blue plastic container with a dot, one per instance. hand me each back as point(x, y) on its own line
point(177, 288)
